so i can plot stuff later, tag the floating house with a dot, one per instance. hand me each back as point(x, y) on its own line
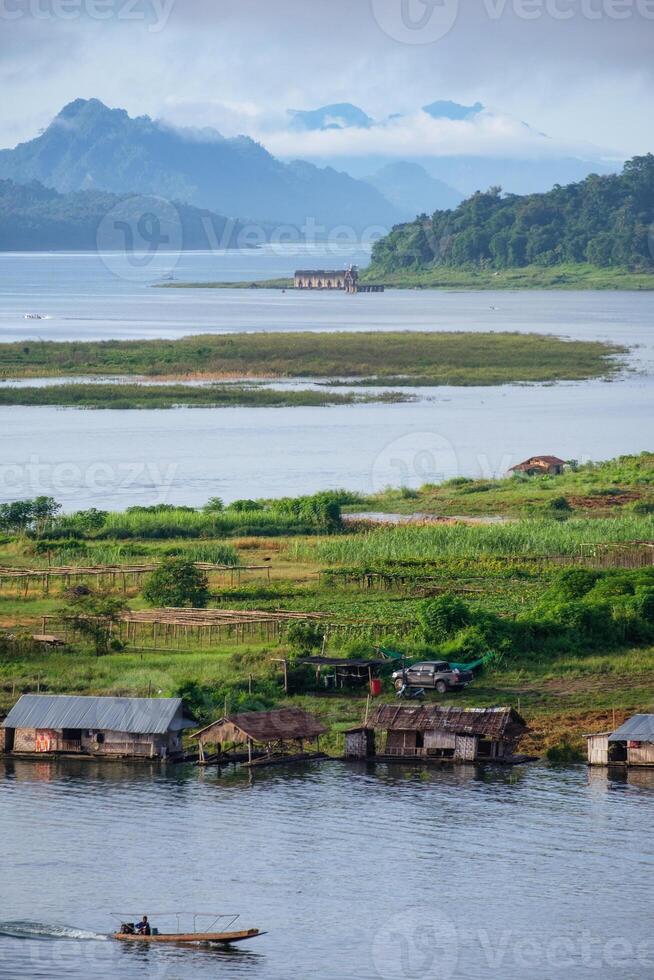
point(266, 736)
point(540, 466)
point(432, 732)
point(630, 745)
point(56, 724)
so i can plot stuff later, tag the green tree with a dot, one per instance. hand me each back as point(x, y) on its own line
point(177, 582)
point(213, 505)
point(95, 615)
point(33, 516)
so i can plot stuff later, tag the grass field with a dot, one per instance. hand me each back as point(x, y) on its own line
point(601, 489)
point(571, 663)
point(415, 358)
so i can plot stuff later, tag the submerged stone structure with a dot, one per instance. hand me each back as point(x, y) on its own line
point(344, 279)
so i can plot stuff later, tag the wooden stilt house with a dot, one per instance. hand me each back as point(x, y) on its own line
point(285, 734)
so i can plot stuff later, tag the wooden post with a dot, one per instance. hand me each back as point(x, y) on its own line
point(285, 662)
point(249, 750)
point(249, 683)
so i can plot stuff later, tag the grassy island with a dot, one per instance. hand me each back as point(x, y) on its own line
point(408, 358)
point(125, 396)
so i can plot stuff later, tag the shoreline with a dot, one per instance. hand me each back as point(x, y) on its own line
point(549, 278)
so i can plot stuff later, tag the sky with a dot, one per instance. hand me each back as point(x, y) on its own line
point(580, 71)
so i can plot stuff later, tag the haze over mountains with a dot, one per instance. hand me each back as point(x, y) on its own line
point(508, 152)
point(89, 147)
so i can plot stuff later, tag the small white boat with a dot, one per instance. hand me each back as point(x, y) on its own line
point(33, 316)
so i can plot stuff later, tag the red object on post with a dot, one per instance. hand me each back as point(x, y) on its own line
point(375, 686)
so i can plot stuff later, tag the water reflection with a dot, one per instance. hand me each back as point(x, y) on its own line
point(609, 778)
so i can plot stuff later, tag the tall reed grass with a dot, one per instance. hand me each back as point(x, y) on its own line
point(430, 542)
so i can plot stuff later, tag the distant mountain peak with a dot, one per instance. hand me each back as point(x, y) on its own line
point(338, 115)
point(89, 145)
point(86, 107)
point(444, 109)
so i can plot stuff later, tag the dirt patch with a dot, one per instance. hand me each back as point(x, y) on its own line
point(549, 730)
point(604, 502)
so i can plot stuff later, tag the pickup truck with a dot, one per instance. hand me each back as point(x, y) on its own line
point(435, 675)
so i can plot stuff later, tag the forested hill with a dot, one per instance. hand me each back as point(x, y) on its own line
point(34, 217)
point(604, 221)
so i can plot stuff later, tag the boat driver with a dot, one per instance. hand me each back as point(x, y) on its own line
point(143, 927)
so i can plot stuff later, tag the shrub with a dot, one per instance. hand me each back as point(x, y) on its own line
point(564, 754)
point(304, 637)
point(207, 703)
point(244, 506)
point(644, 604)
point(177, 582)
point(442, 617)
point(455, 481)
point(573, 583)
point(557, 504)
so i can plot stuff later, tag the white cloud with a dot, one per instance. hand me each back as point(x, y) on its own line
point(238, 64)
point(418, 134)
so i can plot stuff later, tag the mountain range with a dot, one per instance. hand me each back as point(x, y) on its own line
point(461, 173)
point(91, 147)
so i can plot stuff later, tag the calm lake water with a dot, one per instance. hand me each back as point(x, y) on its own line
point(114, 458)
point(355, 872)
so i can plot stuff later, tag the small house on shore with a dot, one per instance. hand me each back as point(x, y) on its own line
point(60, 724)
point(266, 736)
point(540, 466)
point(432, 732)
point(630, 745)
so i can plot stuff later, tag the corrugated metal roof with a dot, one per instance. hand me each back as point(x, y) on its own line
point(267, 726)
point(147, 716)
point(494, 722)
point(639, 728)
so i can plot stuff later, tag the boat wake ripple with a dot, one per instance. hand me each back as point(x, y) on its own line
point(23, 929)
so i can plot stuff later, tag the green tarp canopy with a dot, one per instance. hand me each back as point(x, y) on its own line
point(394, 655)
